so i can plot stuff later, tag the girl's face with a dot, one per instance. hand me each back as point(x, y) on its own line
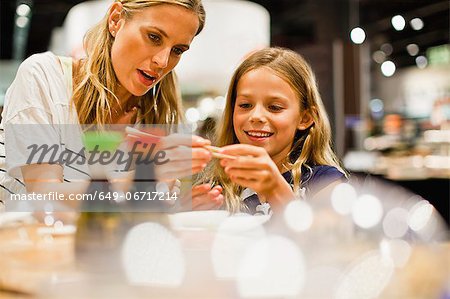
point(267, 113)
point(149, 45)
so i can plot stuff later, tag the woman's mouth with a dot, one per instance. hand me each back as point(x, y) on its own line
point(147, 78)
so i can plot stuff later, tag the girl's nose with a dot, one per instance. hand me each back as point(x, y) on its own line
point(257, 114)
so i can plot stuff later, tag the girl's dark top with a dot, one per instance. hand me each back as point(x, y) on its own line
point(313, 180)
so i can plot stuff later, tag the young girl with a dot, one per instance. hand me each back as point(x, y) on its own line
point(277, 129)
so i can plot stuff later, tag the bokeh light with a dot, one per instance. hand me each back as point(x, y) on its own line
point(412, 49)
point(366, 278)
point(271, 267)
point(23, 10)
point(234, 237)
point(342, 198)
point(298, 215)
point(388, 68)
point(421, 62)
point(398, 22)
point(367, 211)
point(152, 255)
point(395, 223)
point(416, 23)
point(357, 35)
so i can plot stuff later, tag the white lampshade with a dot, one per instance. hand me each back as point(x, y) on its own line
point(234, 28)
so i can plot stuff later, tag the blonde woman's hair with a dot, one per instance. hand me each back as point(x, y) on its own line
point(96, 81)
point(310, 147)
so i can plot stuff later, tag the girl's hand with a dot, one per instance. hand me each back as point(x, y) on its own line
point(253, 168)
point(184, 156)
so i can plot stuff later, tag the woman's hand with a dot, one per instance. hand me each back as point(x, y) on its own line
point(253, 168)
point(203, 197)
point(184, 155)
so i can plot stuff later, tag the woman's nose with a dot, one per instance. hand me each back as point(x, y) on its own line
point(161, 58)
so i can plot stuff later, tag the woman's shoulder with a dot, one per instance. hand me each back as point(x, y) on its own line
point(38, 63)
point(39, 84)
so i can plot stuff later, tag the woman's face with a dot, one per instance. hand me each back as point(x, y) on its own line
point(267, 112)
point(149, 45)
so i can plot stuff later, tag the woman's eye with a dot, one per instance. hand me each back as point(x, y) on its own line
point(154, 38)
point(178, 51)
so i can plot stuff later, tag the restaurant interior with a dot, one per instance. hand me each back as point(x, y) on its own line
point(383, 71)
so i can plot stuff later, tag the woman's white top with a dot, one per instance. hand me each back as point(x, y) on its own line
point(37, 110)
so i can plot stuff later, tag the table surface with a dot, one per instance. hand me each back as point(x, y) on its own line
point(29, 261)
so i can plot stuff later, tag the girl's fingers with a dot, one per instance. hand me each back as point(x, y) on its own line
point(243, 150)
point(246, 162)
point(244, 182)
point(251, 174)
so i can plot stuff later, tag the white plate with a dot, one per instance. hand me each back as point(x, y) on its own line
point(57, 231)
point(243, 222)
point(12, 217)
point(198, 220)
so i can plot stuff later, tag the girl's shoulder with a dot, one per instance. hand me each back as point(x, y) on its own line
point(325, 171)
point(317, 177)
point(320, 172)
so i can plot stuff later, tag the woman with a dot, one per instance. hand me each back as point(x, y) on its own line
point(126, 78)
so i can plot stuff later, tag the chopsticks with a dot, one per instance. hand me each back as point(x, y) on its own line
point(216, 152)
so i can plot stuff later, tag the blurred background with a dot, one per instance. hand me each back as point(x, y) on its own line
point(383, 68)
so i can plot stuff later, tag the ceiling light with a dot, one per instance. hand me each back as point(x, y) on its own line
point(379, 56)
point(387, 49)
point(23, 10)
point(421, 62)
point(388, 68)
point(357, 35)
point(398, 22)
point(412, 49)
point(21, 22)
point(416, 23)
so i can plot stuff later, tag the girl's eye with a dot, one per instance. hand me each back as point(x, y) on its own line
point(154, 38)
point(244, 105)
point(275, 108)
point(178, 51)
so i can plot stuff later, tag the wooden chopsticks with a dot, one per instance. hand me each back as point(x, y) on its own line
point(216, 152)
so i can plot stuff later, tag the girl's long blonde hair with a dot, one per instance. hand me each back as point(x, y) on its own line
point(309, 147)
point(96, 81)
